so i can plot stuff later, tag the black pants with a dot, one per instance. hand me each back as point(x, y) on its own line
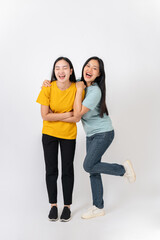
point(67, 147)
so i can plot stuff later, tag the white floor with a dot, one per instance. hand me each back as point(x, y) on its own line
point(135, 217)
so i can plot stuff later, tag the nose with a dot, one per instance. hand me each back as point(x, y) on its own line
point(89, 69)
point(61, 70)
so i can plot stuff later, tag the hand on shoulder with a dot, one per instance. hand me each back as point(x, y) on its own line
point(80, 85)
point(46, 83)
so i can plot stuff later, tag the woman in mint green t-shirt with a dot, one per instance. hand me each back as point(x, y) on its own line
point(99, 132)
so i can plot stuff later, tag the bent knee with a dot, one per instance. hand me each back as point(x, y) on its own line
point(87, 167)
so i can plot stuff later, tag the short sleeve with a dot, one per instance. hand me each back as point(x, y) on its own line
point(44, 96)
point(92, 98)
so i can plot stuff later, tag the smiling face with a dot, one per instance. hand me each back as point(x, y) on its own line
point(62, 71)
point(91, 71)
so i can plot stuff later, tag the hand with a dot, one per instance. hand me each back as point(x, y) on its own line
point(69, 114)
point(46, 83)
point(80, 85)
point(50, 111)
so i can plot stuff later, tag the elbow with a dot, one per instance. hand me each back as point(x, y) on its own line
point(77, 115)
point(44, 117)
point(77, 118)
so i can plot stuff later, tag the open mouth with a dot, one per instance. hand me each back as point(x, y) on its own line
point(88, 75)
point(62, 77)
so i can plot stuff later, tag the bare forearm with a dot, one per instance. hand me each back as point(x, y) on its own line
point(54, 116)
point(71, 119)
point(78, 103)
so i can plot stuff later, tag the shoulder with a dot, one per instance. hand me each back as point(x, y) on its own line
point(92, 97)
point(73, 86)
point(94, 90)
point(95, 87)
point(53, 84)
point(47, 90)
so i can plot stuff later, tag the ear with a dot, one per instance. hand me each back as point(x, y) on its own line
point(71, 71)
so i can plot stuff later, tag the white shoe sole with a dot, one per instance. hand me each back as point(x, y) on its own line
point(64, 220)
point(133, 178)
point(53, 220)
point(93, 216)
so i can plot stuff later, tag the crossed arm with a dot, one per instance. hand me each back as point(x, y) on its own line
point(48, 115)
point(75, 116)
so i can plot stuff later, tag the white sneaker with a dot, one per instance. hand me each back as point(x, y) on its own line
point(93, 212)
point(129, 174)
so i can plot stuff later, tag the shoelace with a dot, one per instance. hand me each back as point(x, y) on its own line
point(91, 208)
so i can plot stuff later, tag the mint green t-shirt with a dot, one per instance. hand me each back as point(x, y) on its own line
point(92, 122)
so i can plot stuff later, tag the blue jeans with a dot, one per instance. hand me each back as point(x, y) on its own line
point(97, 144)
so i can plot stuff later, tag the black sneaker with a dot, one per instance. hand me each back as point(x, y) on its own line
point(53, 214)
point(66, 215)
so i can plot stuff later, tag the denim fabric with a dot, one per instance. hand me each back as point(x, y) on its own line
point(97, 144)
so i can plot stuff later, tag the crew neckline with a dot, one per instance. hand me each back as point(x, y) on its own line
point(94, 84)
point(61, 89)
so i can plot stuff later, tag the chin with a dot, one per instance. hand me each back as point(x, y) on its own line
point(88, 80)
point(62, 80)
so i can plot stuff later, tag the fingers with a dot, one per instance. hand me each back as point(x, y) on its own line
point(46, 83)
point(80, 85)
point(70, 114)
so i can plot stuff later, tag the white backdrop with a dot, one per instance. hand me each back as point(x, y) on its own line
point(126, 35)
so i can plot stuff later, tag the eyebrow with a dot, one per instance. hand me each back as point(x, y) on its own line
point(93, 65)
point(61, 66)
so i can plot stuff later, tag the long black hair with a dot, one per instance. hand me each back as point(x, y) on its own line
point(72, 76)
point(100, 80)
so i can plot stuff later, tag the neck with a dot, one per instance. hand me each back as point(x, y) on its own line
point(63, 85)
point(89, 84)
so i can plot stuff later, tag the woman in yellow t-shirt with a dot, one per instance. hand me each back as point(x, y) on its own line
point(59, 128)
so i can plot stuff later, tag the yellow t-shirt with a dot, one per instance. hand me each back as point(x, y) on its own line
point(59, 101)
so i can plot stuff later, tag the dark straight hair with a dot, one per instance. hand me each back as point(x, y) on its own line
point(101, 83)
point(72, 77)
